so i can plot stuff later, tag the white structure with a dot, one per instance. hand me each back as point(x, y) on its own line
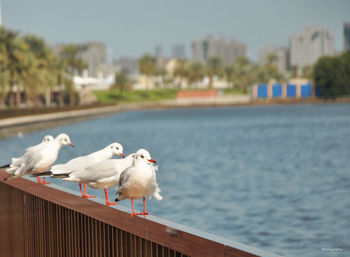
point(208, 47)
point(309, 45)
point(280, 52)
point(93, 83)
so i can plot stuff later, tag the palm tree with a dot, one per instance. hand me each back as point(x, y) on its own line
point(121, 81)
point(244, 73)
point(74, 65)
point(229, 74)
point(181, 70)
point(41, 74)
point(214, 68)
point(61, 77)
point(16, 51)
point(195, 72)
point(307, 72)
point(147, 66)
point(4, 74)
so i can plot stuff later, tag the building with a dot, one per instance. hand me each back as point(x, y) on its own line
point(309, 45)
point(208, 47)
point(346, 34)
point(158, 52)
point(178, 51)
point(280, 52)
point(95, 55)
point(128, 65)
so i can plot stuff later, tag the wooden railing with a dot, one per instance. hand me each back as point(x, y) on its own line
point(42, 221)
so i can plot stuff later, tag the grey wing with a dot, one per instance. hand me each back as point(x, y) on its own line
point(124, 177)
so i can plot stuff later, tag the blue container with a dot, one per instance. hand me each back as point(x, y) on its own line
point(291, 91)
point(262, 91)
point(305, 90)
point(277, 90)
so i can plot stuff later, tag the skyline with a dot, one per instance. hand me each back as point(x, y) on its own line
point(133, 28)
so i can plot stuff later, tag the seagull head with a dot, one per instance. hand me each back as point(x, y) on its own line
point(116, 149)
point(64, 139)
point(47, 138)
point(143, 154)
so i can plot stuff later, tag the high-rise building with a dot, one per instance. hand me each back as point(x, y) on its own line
point(158, 51)
point(95, 55)
point(178, 51)
point(309, 45)
point(208, 47)
point(128, 65)
point(281, 54)
point(346, 33)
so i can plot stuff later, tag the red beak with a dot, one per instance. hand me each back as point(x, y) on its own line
point(151, 160)
point(71, 144)
point(122, 155)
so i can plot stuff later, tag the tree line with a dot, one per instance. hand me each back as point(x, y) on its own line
point(29, 70)
point(241, 74)
point(332, 75)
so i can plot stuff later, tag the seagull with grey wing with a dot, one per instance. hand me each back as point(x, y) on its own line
point(139, 181)
point(75, 169)
point(102, 175)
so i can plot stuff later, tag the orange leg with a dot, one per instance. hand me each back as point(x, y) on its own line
point(133, 211)
point(44, 182)
point(108, 203)
point(86, 196)
point(81, 190)
point(144, 207)
point(39, 180)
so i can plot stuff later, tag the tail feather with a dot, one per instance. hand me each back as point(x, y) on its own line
point(46, 173)
point(118, 196)
point(51, 174)
point(5, 166)
point(12, 176)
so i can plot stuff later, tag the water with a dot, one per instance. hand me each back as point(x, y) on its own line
point(274, 177)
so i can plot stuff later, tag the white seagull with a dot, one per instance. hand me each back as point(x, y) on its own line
point(102, 175)
point(15, 163)
point(139, 180)
point(76, 167)
point(39, 158)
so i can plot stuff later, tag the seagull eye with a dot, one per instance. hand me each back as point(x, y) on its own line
point(142, 156)
point(117, 148)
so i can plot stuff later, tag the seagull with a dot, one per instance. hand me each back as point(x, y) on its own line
point(76, 167)
point(139, 180)
point(102, 175)
point(15, 163)
point(38, 158)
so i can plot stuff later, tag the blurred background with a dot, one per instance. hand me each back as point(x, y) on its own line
point(276, 177)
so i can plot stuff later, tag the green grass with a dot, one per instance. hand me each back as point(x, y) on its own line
point(235, 91)
point(134, 96)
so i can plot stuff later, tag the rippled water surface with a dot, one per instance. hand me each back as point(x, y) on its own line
point(274, 177)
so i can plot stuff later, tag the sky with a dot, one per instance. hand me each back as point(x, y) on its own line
point(134, 27)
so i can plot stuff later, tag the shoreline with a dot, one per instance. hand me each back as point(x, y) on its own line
point(29, 123)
